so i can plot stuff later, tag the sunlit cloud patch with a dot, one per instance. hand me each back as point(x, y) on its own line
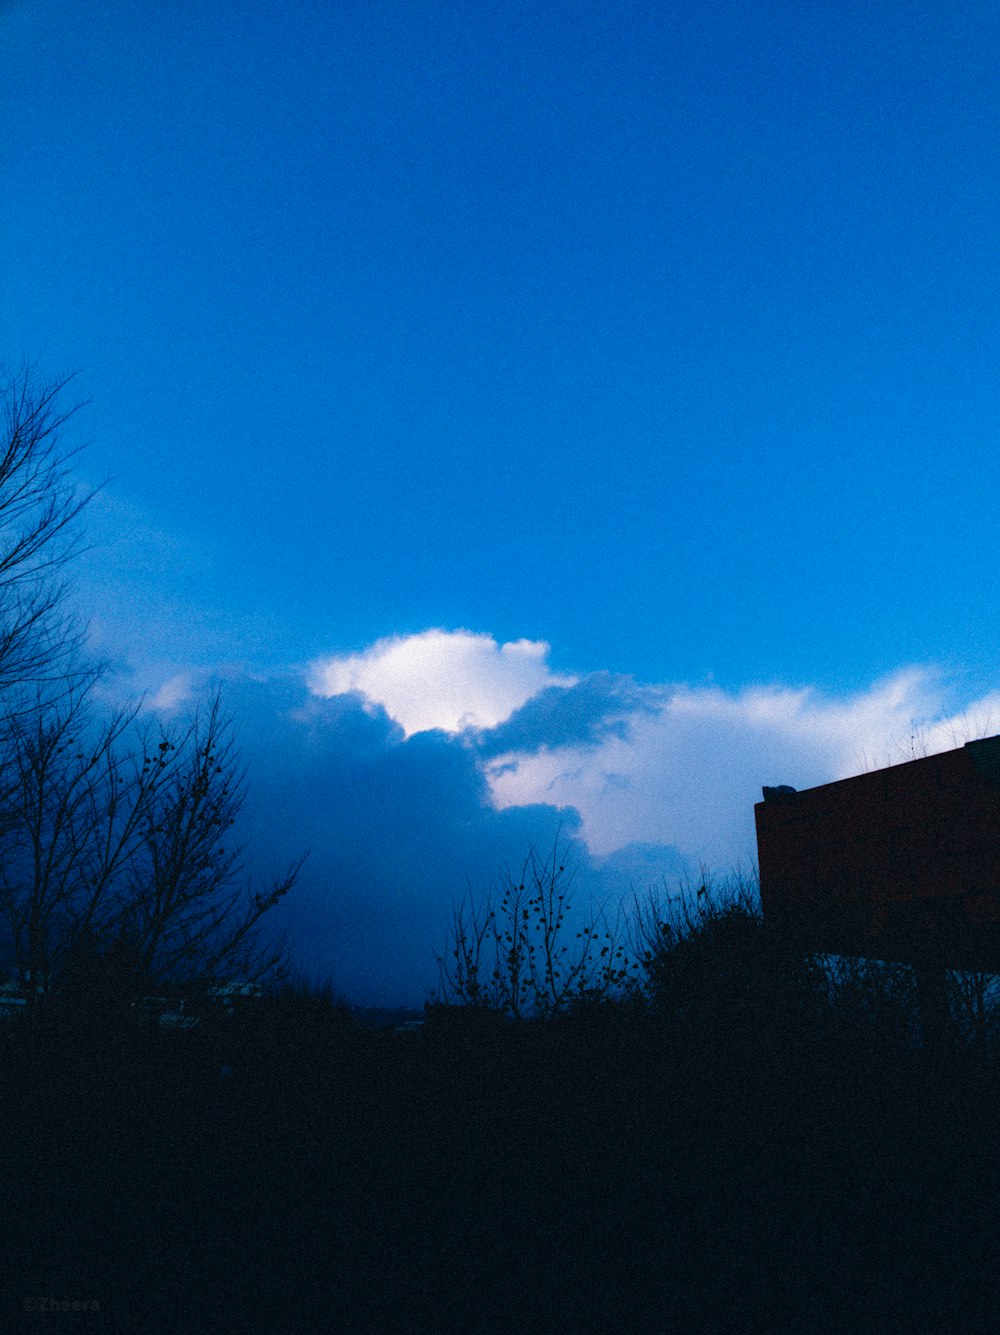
point(449, 680)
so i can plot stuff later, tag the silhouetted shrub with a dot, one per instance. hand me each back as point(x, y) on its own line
point(712, 963)
point(533, 953)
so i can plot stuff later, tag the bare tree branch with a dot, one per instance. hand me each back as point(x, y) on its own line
point(515, 957)
point(114, 837)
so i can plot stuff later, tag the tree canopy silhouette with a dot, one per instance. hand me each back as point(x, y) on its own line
point(116, 830)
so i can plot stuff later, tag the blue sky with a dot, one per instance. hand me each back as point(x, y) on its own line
point(659, 340)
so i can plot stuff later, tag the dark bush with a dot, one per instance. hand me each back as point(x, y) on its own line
point(718, 966)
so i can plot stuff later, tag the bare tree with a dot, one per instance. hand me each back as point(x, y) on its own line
point(975, 1006)
point(189, 909)
point(116, 835)
point(39, 506)
point(514, 956)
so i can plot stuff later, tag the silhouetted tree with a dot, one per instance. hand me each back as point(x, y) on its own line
point(39, 506)
point(115, 834)
point(121, 833)
point(514, 956)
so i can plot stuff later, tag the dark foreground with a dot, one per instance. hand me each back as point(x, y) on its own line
point(609, 1173)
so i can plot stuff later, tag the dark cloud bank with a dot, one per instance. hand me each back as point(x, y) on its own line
point(398, 830)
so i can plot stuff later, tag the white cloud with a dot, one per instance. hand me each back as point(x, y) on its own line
point(642, 764)
point(688, 770)
point(177, 690)
point(451, 680)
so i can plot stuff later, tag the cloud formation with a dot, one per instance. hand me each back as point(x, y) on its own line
point(397, 830)
point(415, 770)
point(450, 680)
point(684, 766)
